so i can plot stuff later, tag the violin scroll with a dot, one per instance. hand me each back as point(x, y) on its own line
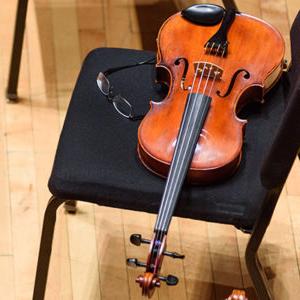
point(151, 278)
point(148, 282)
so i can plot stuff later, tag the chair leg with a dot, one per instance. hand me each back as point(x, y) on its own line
point(230, 4)
point(70, 206)
point(13, 77)
point(254, 267)
point(258, 276)
point(45, 248)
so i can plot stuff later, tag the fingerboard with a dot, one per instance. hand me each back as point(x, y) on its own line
point(195, 113)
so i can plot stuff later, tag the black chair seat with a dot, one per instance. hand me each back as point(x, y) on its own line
point(97, 161)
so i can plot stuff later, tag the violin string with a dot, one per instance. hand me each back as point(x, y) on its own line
point(163, 218)
point(161, 234)
point(198, 88)
point(209, 93)
point(208, 76)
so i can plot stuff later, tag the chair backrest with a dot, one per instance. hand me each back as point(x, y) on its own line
point(286, 144)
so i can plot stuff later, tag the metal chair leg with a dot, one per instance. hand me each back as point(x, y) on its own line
point(258, 275)
point(13, 77)
point(45, 248)
point(254, 267)
point(230, 4)
point(70, 206)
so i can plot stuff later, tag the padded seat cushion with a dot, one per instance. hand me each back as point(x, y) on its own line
point(97, 161)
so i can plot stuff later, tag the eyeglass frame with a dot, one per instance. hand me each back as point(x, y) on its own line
point(115, 98)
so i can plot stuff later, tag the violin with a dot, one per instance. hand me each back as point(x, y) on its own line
point(214, 62)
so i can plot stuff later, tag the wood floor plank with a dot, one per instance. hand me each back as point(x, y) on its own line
point(197, 263)
point(25, 220)
point(251, 7)
point(45, 117)
point(292, 185)
point(294, 212)
point(7, 283)
point(83, 253)
point(118, 27)
point(7, 288)
point(225, 259)
point(141, 223)
point(111, 253)
point(6, 246)
point(293, 9)
point(45, 43)
point(66, 51)
point(90, 25)
point(5, 209)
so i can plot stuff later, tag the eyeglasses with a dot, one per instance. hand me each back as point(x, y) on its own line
point(121, 105)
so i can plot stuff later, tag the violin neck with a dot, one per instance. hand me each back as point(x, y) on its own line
point(196, 109)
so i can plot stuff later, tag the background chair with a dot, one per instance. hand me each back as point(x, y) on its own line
point(96, 158)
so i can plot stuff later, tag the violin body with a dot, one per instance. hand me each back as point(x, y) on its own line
point(255, 47)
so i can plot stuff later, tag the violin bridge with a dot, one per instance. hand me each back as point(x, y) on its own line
point(208, 69)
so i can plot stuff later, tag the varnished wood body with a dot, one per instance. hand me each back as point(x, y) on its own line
point(253, 45)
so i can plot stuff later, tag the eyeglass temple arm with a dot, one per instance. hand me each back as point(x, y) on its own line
point(112, 70)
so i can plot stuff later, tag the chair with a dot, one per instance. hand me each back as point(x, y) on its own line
point(96, 158)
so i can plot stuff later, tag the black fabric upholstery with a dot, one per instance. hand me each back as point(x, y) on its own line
point(286, 145)
point(96, 159)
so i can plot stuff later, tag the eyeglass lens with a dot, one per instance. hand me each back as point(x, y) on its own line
point(103, 83)
point(122, 106)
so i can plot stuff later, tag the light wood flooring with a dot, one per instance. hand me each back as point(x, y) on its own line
point(90, 248)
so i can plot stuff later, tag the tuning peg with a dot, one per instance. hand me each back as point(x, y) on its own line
point(170, 279)
point(136, 239)
point(133, 262)
point(174, 254)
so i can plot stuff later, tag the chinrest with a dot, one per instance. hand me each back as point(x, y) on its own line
point(204, 14)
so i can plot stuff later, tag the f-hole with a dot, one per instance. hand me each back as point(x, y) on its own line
point(186, 67)
point(233, 79)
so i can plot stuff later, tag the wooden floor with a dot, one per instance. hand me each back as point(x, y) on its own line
point(90, 248)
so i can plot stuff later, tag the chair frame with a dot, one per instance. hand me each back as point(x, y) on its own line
point(16, 52)
point(254, 266)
